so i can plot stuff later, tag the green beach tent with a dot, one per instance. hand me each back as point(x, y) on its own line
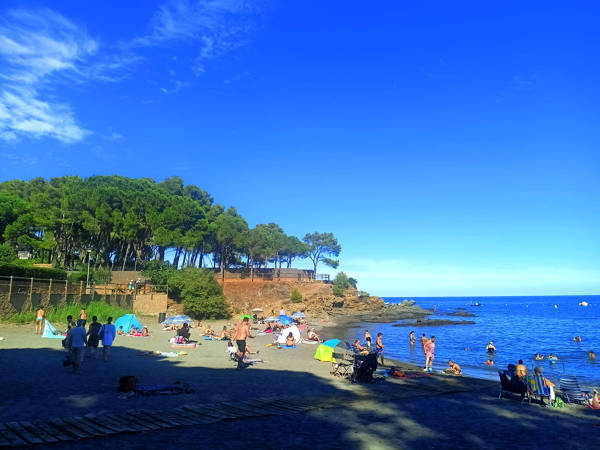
point(325, 350)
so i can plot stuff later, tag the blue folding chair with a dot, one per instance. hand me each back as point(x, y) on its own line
point(569, 386)
point(538, 387)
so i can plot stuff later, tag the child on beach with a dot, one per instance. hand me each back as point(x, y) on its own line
point(39, 320)
point(368, 338)
point(380, 347)
point(453, 368)
point(429, 354)
point(423, 342)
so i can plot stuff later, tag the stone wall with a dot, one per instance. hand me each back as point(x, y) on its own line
point(150, 304)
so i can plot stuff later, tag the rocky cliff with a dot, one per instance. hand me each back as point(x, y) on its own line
point(318, 301)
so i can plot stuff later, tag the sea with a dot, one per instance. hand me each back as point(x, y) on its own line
point(519, 327)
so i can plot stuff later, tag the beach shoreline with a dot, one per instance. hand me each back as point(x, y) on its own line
point(41, 389)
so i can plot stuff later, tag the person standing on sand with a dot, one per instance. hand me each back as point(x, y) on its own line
point(242, 332)
point(380, 347)
point(429, 354)
point(107, 333)
point(78, 343)
point(83, 316)
point(93, 336)
point(39, 320)
point(368, 338)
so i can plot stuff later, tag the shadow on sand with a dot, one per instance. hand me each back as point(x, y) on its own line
point(425, 412)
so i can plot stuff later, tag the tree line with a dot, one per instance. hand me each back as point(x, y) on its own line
point(125, 223)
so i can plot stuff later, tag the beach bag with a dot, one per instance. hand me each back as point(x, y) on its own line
point(66, 342)
point(558, 403)
point(364, 373)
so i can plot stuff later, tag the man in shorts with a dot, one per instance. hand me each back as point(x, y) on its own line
point(39, 320)
point(242, 332)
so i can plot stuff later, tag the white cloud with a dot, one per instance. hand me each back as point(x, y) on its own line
point(217, 26)
point(417, 278)
point(40, 49)
point(34, 48)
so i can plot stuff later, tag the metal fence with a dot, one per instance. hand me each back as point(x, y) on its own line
point(26, 294)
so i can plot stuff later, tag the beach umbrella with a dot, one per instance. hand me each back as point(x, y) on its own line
point(325, 350)
point(271, 319)
point(243, 316)
point(298, 315)
point(285, 320)
point(178, 320)
point(331, 343)
point(257, 310)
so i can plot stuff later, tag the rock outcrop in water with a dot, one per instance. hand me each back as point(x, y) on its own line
point(434, 323)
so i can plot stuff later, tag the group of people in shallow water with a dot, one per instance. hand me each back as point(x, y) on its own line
point(428, 347)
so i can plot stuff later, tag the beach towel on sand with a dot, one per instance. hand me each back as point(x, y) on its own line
point(50, 331)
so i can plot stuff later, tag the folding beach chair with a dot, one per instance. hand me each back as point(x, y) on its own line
point(569, 386)
point(343, 366)
point(538, 387)
point(509, 383)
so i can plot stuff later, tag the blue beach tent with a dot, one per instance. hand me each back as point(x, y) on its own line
point(127, 321)
point(50, 331)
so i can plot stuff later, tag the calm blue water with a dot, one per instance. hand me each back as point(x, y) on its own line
point(518, 326)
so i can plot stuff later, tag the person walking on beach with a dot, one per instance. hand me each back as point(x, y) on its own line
point(93, 336)
point(78, 343)
point(429, 354)
point(368, 338)
point(242, 332)
point(70, 323)
point(107, 333)
point(39, 320)
point(83, 316)
point(380, 347)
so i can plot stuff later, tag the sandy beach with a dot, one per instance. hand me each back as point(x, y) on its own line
point(427, 411)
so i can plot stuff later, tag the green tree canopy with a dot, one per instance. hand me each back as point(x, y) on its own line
point(322, 245)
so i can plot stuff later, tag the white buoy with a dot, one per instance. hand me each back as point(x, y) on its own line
point(556, 306)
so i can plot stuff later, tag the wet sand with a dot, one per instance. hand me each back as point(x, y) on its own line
point(426, 411)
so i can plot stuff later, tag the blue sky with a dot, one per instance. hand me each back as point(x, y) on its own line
point(451, 147)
